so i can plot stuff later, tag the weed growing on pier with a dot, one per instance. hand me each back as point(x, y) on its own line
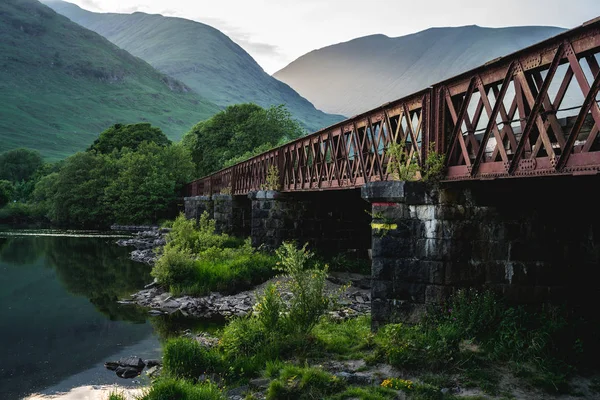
point(401, 165)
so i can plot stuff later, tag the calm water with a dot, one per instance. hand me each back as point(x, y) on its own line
point(59, 317)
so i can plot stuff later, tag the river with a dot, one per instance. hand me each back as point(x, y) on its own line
point(59, 316)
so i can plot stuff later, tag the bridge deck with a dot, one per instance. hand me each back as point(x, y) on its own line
point(534, 112)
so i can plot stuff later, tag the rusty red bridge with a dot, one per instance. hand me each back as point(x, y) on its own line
point(532, 114)
point(500, 120)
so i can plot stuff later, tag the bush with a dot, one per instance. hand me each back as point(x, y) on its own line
point(186, 358)
point(116, 396)
point(303, 383)
point(307, 282)
point(172, 389)
point(196, 260)
point(366, 393)
point(175, 267)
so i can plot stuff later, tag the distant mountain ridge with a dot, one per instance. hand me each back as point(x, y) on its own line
point(200, 56)
point(61, 85)
point(355, 76)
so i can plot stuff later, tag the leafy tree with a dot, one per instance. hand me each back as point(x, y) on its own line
point(19, 164)
point(238, 130)
point(76, 193)
point(6, 192)
point(131, 136)
point(147, 182)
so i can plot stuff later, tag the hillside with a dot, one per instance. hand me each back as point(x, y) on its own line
point(355, 76)
point(198, 55)
point(61, 85)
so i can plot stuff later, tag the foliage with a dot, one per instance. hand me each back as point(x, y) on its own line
point(272, 181)
point(404, 169)
point(300, 383)
point(131, 136)
point(186, 358)
point(6, 192)
point(263, 148)
point(94, 190)
point(434, 165)
point(366, 393)
point(399, 165)
point(474, 329)
point(68, 83)
point(146, 182)
point(348, 338)
point(19, 164)
point(196, 260)
point(171, 389)
point(307, 286)
point(114, 395)
point(237, 130)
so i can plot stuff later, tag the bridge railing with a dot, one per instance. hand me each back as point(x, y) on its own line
point(534, 112)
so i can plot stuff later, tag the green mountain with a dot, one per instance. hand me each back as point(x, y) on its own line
point(200, 56)
point(61, 85)
point(377, 69)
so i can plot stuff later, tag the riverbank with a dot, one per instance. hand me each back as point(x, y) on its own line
point(306, 334)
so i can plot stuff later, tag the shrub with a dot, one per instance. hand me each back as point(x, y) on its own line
point(434, 165)
point(186, 358)
point(309, 300)
point(197, 237)
point(171, 389)
point(303, 383)
point(175, 267)
point(400, 166)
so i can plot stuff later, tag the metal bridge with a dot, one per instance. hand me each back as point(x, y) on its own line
point(534, 112)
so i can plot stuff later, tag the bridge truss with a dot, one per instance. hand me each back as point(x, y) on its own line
point(534, 112)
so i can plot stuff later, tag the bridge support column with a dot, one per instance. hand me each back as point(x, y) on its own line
point(272, 220)
point(504, 236)
point(232, 214)
point(331, 222)
point(195, 206)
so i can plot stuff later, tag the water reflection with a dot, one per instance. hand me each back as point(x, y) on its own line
point(58, 311)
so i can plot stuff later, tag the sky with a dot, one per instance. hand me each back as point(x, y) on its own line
point(276, 32)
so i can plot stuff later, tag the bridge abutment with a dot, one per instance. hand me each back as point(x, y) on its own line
point(330, 222)
point(508, 237)
point(196, 205)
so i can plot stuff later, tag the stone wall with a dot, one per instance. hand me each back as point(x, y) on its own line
point(330, 222)
point(520, 239)
point(195, 206)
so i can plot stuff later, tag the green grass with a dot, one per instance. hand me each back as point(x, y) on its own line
point(61, 85)
point(366, 393)
point(200, 56)
point(186, 358)
point(303, 383)
point(116, 396)
point(173, 389)
point(348, 339)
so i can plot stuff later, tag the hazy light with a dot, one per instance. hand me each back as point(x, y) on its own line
point(276, 32)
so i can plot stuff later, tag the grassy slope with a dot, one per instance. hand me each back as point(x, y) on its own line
point(200, 56)
point(61, 85)
point(378, 69)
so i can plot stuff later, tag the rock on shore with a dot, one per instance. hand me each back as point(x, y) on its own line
point(354, 300)
point(146, 244)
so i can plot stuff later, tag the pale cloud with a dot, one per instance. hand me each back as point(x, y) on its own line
point(276, 32)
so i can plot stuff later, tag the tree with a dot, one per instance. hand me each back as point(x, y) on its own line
point(76, 193)
point(131, 136)
point(19, 164)
point(147, 182)
point(6, 192)
point(238, 130)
